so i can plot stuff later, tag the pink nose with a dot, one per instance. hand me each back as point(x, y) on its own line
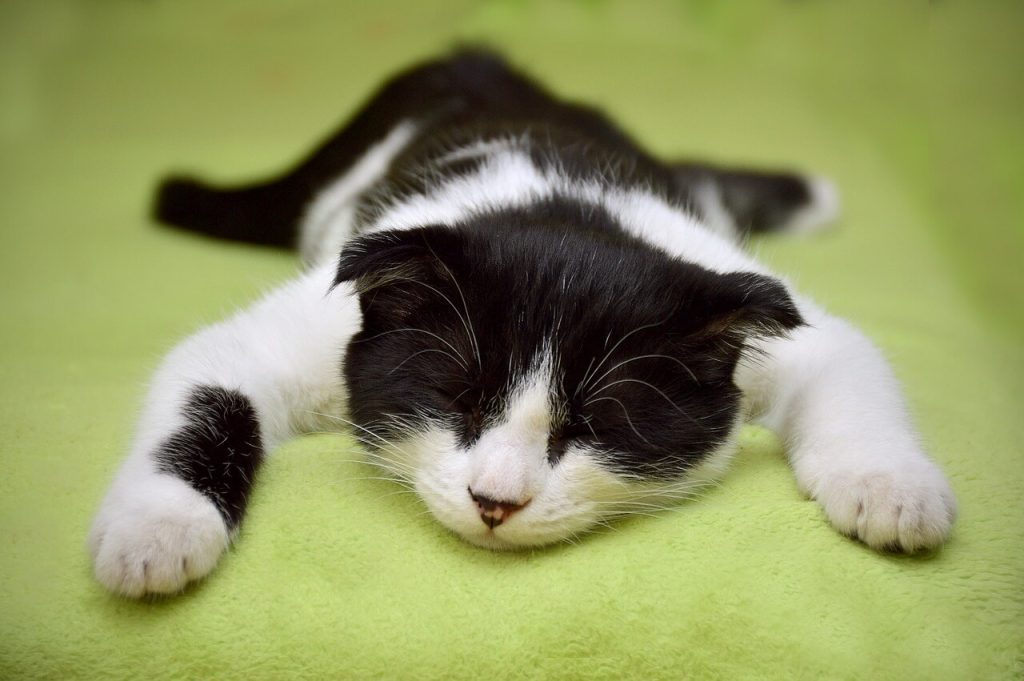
point(494, 512)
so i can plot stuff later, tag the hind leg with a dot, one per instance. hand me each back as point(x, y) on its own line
point(741, 202)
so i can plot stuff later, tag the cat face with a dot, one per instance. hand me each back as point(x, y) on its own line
point(531, 382)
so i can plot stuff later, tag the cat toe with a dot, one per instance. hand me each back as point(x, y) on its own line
point(901, 510)
point(156, 543)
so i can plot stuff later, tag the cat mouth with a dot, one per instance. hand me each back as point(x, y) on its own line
point(519, 534)
point(494, 513)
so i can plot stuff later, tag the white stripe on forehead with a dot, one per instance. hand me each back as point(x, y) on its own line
point(327, 221)
point(529, 404)
point(509, 460)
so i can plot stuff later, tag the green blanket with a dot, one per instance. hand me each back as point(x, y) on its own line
point(914, 111)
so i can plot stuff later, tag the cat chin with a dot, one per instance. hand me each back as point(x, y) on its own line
point(580, 494)
point(543, 522)
point(520, 534)
point(495, 541)
point(568, 504)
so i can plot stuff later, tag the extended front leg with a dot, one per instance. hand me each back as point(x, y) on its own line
point(220, 401)
point(832, 397)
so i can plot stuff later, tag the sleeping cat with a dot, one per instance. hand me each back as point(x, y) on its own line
point(531, 321)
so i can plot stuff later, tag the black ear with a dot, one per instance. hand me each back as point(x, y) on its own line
point(397, 272)
point(394, 256)
point(739, 305)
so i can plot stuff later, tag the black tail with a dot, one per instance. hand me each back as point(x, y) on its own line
point(261, 214)
point(269, 212)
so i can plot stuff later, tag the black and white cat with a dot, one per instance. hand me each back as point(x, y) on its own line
point(532, 321)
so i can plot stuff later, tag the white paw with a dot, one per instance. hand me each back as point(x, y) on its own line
point(155, 537)
point(821, 210)
point(905, 508)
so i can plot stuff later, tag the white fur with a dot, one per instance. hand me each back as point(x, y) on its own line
point(515, 181)
point(153, 534)
point(825, 389)
point(327, 223)
point(709, 197)
point(509, 463)
point(284, 354)
point(821, 211)
point(830, 394)
point(893, 483)
point(510, 179)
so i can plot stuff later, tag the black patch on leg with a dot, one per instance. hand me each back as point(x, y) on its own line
point(218, 451)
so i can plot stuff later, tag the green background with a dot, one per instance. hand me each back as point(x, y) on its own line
point(914, 109)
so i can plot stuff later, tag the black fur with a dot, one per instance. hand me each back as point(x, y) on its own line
point(470, 96)
point(757, 201)
point(218, 451)
point(453, 316)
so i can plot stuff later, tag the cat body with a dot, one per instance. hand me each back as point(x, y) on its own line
point(531, 321)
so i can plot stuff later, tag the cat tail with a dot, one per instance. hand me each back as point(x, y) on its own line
point(265, 214)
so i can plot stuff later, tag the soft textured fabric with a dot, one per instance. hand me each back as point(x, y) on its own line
point(915, 112)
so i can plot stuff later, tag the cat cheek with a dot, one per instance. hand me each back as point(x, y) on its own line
point(441, 480)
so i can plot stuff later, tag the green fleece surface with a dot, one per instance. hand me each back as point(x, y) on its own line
point(915, 112)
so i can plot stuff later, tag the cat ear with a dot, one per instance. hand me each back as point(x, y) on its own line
point(396, 272)
point(396, 256)
point(733, 307)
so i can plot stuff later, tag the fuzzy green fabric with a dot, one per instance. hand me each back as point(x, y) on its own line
point(914, 111)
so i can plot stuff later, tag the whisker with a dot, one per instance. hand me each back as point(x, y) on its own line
point(652, 387)
point(597, 380)
point(384, 462)
point(415, 330)
point(366, 430)
point(416, 354)
point(626, 413)
point(466, 321)
point(585, 381)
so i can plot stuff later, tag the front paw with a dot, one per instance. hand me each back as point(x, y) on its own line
point(156, 537)
point(905, 508)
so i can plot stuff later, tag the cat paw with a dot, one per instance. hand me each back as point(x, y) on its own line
point(905, 509)
point(820, 211)
point(156, 538)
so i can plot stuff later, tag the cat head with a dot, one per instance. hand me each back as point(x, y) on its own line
point(531, 382)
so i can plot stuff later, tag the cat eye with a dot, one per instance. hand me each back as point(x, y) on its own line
point(556, 448)
point(473, 421)
point(462, 408)
point(559, 441)
point(454, 400)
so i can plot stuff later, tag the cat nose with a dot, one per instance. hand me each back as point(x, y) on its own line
point(494, 512)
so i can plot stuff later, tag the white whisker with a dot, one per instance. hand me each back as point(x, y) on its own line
point(626, 413)
point(652, 387)
point(583, 383)
point(417, 354)
point(597, 381)
point(414, 330)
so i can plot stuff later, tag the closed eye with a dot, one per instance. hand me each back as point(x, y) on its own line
point(454, 403)
point(557, 445)
point(559, 442)
point(463, 409)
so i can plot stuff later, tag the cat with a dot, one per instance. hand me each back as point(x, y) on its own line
point(532, 322)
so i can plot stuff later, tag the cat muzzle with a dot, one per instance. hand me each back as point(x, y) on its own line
point(494, 512)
